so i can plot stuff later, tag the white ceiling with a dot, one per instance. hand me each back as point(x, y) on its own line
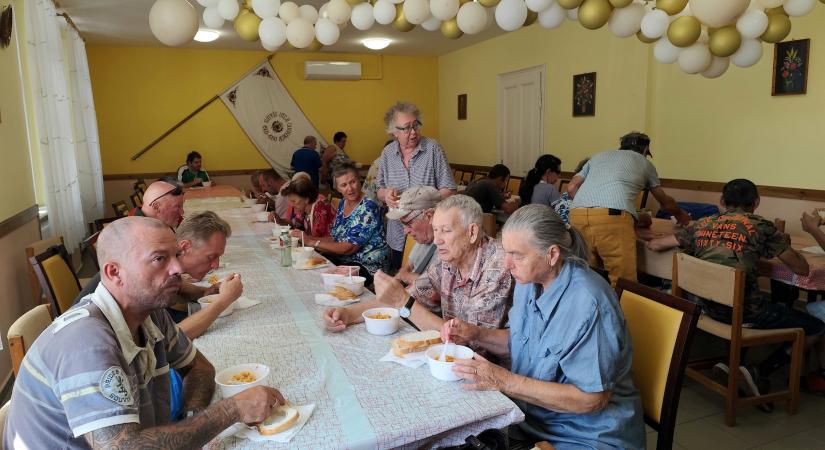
point(126, 22)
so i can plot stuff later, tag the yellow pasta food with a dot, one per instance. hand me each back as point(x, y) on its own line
point(379, 316)
point(243, 377)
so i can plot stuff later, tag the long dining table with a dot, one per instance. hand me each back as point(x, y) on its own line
point(360, 402)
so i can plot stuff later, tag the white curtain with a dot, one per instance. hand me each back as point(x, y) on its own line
point(64, 118)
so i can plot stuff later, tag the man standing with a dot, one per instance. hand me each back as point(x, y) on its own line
point(97, 377)
point(604, 203)
point(162, 201)
point(306, 159)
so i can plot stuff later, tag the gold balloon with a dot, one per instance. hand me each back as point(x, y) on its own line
point(644, 38)
point(315, 45)
point(449, 28)
point(684, 31)
point(725, 41)
point(246, 25)
point(247, 4)
point(620, 3)
point(400, 23)
point(569, 4)
point(779, 26)
point(489, 3)
point(777, 10)
point(671, 7)
point(531, 17)
point(354, 2)
point(594, 14)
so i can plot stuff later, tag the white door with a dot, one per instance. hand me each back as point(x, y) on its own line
point(521, 118)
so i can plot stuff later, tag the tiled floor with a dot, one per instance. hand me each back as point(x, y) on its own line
point(700, 424)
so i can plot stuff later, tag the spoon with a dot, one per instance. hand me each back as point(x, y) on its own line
point(443, 356)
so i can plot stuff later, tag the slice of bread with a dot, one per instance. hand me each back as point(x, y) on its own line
point(415, 342)
point(342, 293)
point(280, 420)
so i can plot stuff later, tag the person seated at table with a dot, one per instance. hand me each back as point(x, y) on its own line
point(739, 238)
point(469, 281)
point(334, 156)
point(96, 378)
point(162, 200)
point(255, 181)
point(571, 351)
point(311, 213)
point(193, 175)
point(272, 185)
point(415, 212)
point(358, 230)
point(487, 191)
point(539, 187)
point(306, 159)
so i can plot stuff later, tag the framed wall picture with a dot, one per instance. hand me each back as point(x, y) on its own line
point(462, 106)
point(584, 94)
point(790, 67)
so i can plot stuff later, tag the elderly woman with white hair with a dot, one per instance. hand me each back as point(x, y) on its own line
point(468, 282)
point(409, 160)
point(568, 343)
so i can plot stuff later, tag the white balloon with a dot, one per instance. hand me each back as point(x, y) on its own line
point(655, 23)
point(322, 11)
point(665, 52)
point(796, 8)
point(695, 58)
point(552, 17)
point(384, 12)
point(362, 17)
point(228, 9)
point(212, 18)
point(573, 14)
point(266, 8)
point(395, 2)
point(326, 32)
point(269, 48)
point(208, 3)
point(444, 9)
point(434, 24)
point(716, 13)
point(288, 12)
point(416, 11)
point(173, 22)
point(339, 11)
point(769, 3)
point(511, 14)
point(539, 5)
point(749, 53)
point(272, 32)
point(300, 33)
point(625, 22)
point(752, 24)
point(717, 67)
point(471, 18)
point(309, 13)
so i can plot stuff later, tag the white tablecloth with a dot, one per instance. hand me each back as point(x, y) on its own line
point(361, 403)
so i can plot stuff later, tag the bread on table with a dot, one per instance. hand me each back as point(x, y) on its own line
point(415, 342)
point(282, 417)
point(342, 293)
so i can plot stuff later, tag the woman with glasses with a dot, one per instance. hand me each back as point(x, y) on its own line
point(409, 160)
point(358, 231)
point(311, 213)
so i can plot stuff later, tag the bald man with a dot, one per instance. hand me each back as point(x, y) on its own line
point(98, 376)
point(163, 201)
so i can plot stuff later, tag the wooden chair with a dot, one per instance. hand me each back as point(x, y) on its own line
point(466, 177)
point(641, 199)
point(661, 328)
point(57, 279)
point(100, 224)
point(89, 246)
point(120, 208)
point(726, 285)
point(488, 224)
point(136, 199)
point(513, 185)
point(409, 243)
point(36, 248)
point(25, 330)
point(457, 174)
point(140, 186)
point(780, 224)
point(478, 176)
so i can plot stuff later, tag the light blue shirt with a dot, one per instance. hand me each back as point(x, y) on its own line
point(575, 333)
point(613, 179)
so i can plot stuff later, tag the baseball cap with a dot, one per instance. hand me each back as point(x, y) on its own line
point(415, 199)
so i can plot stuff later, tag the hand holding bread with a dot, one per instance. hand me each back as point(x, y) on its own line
point(254, 405)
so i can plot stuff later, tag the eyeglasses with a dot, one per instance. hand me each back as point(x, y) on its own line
point(407, 221)
point(174, 192)
point(416, 125)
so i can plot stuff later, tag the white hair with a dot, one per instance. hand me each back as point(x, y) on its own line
point(468, 209)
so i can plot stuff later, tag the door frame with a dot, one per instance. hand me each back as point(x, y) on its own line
point(542, 71)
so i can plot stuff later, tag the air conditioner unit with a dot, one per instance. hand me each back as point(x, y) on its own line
point(332, 70)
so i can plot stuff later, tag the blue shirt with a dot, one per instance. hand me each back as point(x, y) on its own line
point(574, 333)
point(307, 160)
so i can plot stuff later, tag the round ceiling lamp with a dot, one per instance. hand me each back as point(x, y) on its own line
point(376, 43)
point(204, 35)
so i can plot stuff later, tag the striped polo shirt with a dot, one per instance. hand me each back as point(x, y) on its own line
point(613, 179)
point(85, 372)
point(428, 167)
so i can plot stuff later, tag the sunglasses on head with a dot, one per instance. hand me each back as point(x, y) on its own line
point(174, 192)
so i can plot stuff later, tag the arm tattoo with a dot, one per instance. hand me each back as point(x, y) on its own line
point(192, 433)
point(198, 384)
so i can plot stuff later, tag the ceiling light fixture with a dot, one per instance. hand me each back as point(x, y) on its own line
point(206, 35)
point(376, 43)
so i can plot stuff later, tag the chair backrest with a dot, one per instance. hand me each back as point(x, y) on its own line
point(714, 282)
point(100, 224)
point(25, 330)
point(335, 201)
point(466, 177)
point(661, 329)
point(4, 411)
point(563, 182)
point(457, 174)
point(36, 248)
point(514, 184)
point(136, 199)
point(58, 281)
point(478, 175)
point(180, 171)
point(641, 199)
point(120, 208)
point(89, 246)
point(488, 224)
point(780, 224)
point(140, 186)
point(409, 243)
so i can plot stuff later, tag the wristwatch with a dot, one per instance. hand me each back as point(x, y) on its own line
point(406, 310)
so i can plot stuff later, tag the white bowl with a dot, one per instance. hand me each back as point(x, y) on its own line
point(206, 301)
point(259, 207)
point(330, 279)
point(356, 285)
point(262, 216)
point(207, 184)
point(444, 370)
point(381, 327)
point(250, 201)
point(224, 377)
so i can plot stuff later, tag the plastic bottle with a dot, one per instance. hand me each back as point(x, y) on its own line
point(286, 249)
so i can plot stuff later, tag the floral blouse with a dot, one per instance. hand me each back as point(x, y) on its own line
point(318, 222)
point(364, 227)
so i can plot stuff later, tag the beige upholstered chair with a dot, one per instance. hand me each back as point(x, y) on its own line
point(25, 330)
point(57, 280)
point(36, 248)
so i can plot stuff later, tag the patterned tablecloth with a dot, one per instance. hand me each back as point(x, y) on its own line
point(361, 403)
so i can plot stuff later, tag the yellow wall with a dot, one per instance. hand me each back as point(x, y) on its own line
point(140, 92)
point(702, 129)
point(16, 189)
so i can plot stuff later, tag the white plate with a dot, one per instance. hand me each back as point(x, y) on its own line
point(332, 301)
point(320, 266)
